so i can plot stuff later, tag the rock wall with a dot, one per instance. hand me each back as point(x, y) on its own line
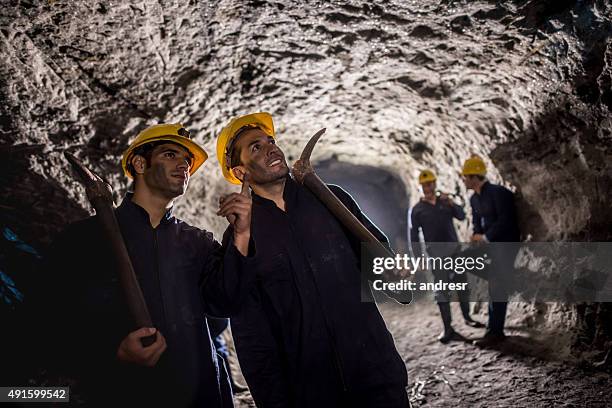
point(399, 85)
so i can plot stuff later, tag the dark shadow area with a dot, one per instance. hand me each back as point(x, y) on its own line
point(32, 210)
point(518, 345)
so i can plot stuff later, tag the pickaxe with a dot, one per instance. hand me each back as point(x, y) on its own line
point(100, 196)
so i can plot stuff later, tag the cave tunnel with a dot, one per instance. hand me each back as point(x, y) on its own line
point(526, 85)
point(380, 194)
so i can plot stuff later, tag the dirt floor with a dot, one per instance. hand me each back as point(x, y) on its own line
point(522, 373)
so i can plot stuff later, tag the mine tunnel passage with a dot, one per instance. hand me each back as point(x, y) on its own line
point(381, 195)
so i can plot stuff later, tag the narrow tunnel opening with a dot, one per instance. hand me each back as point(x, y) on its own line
point(381, 195)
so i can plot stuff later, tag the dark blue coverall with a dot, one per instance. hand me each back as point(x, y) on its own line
point(304, 338)
point(494, 215)
point(436, 222)
point(183, 272)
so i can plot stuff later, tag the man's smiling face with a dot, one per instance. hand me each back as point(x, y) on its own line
point(260, 157)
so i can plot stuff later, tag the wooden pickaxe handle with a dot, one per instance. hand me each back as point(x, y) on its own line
point(100, 196)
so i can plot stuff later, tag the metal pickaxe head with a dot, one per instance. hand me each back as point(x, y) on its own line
point(95, 186)
point(302, 167)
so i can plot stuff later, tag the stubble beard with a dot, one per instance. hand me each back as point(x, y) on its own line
point(166, 184)
point(261, 175)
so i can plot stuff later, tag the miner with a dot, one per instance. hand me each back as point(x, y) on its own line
point(495, 221)
point(434, 215)
point(303, 336)
point(183, 272)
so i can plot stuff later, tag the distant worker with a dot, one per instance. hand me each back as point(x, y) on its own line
point(434, 214)
point(494, 218)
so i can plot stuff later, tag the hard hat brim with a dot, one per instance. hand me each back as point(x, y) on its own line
point(427, 180)
point(473, 173)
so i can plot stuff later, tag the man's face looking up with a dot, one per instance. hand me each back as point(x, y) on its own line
point(260, 157)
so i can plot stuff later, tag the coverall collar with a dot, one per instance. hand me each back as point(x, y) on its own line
point(485, 185)
point(289, 195)
point(134, 210)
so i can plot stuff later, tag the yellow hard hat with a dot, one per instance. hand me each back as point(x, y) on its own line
point(426, 176)
point(261, 120)
point(172, 132)
point(474, 166)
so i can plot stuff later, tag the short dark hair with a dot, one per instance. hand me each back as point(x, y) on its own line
point(146, 151)
point(234, 157)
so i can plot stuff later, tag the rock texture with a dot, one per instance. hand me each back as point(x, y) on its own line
point(400, 85)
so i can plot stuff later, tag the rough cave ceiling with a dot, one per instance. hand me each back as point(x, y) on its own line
point(399, 85)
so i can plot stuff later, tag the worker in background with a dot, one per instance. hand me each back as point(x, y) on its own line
point(433, 215)
point(495, 221)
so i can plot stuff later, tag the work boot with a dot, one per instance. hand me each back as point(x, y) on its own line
point(473, 323)
point(449, 333)
point(465, 311)
point(490, 340)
